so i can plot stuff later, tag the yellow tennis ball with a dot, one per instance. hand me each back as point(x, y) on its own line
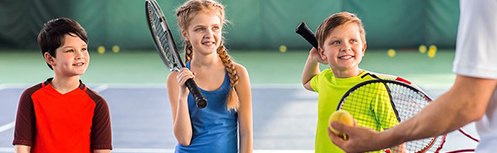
point(343, 117)
point(422, 49)
point(433, 47)
point(101, 49)
point(391, 52)
point(432, 53)
point(283, 48)
point(115, 48)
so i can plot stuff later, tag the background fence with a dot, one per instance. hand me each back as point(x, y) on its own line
point(255, 24)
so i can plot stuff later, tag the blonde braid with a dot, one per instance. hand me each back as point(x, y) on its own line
point(188, 51)
point(233, 101)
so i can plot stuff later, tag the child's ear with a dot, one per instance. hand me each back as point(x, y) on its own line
point(49, 59)
point(321, 53)
point(184, 34)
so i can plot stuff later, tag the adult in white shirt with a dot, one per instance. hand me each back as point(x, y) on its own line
point(472, 98)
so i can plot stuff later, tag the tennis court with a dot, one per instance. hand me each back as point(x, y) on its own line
point(133, 83)
point(127, 71)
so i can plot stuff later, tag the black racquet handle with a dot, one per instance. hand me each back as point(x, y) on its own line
point(305, 32)
point(197, 95)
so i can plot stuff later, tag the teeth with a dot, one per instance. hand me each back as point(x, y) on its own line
point(78, 64)
point(345, 57)
point(208, 43)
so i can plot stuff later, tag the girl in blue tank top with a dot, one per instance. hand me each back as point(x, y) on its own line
point(225, 125)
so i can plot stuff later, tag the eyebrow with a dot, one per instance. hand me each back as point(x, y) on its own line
point(340, 38)
point(73, 46)
point(203, 25)
point(334, 38)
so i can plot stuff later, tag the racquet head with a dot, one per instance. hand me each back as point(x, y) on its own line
point(163, 39)
point(168, 51)
point(382, 104)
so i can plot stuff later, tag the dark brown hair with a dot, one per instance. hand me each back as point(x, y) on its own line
point(52, 34)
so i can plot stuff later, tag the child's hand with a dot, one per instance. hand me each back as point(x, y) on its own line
point(184, 74)
point(316, 57)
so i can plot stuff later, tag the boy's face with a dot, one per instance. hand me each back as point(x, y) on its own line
point(204, 32)
point(71, 59)
point(343, 48)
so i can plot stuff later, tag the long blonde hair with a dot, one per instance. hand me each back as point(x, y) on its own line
point(185, 13)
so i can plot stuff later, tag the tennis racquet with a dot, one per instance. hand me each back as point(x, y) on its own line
point(380, 104)
point(166, 46)
point(307, 34)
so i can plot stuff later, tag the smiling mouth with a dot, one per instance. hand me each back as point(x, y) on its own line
point(78, 64)
point(346, 57)
point(208, 43)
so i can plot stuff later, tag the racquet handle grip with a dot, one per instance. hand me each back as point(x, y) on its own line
point(305, 32)
point(200, 100)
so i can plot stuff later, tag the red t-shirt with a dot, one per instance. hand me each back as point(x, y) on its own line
point(76, 122)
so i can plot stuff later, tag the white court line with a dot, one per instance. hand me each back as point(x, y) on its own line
point(6, 127)
point(142, 150)
point(147, 150)
point(172, 150)
point(7, 149)
point(101, 88)
point(283, 151)
point(136, 86)
point(15, 85)
point(277, 86)
point(432, 86)
point(256, 86)
point(163, 86)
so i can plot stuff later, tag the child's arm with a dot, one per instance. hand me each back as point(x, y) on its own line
point(101, 131)
point(311, 68)
point(22, 149)
point(24, 130)
point(101, 151)
point(245, 110)
point(178, 95)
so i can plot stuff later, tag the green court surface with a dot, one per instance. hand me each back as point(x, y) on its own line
point(269, 67)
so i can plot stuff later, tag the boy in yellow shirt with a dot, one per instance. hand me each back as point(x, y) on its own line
point(341, 41)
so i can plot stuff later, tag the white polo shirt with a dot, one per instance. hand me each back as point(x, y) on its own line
point(476, 56)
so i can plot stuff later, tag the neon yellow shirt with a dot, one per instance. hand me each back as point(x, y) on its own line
point(331, 89)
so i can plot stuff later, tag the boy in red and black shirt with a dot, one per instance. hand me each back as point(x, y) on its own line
point(62, 115)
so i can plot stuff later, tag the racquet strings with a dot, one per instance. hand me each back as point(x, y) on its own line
point(162, 37)
point(372, 107)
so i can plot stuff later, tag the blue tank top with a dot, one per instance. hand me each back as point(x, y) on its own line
point(214, 127)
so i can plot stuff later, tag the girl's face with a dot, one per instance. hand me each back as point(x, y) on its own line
point(72, 57)
point(343, 49)
point(204, 32)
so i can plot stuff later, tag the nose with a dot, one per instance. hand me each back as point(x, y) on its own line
point(208, 33)
point(79, 54)
point(345, 47)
